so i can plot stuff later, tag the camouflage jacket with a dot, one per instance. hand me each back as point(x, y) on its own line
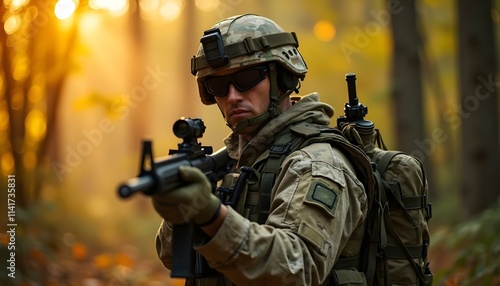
point(307, 230)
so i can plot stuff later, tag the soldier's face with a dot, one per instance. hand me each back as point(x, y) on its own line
point(238, 105)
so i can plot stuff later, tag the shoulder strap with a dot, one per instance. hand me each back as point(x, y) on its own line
point(385, 160)
point(284, 145)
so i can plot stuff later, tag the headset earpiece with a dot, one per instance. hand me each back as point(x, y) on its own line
point(286, 80)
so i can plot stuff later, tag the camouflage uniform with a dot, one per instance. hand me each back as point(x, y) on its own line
point(304, 235)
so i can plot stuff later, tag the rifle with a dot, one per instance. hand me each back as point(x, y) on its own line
point(162, 175)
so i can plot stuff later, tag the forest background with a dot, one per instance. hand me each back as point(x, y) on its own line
point(82, 83)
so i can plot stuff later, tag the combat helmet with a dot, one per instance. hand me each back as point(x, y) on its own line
point(245, 40)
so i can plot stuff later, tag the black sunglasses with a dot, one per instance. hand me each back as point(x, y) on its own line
point(243, 80)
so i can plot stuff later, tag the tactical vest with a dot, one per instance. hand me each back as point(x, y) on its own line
point(255, 198)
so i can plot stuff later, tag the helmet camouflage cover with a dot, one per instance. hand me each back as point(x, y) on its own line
point(246, 40)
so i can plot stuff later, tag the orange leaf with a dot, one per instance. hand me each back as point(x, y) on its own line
point(104, 260)
point(124, 260)
point(37, 255)
point(4, 238)
point(79, 251)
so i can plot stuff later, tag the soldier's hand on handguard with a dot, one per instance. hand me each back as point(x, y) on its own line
point(192, 202)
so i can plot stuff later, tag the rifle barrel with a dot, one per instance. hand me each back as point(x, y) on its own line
point(135, 185)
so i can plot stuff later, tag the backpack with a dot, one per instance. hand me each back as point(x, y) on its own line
point(396, 237)
point(397, 230)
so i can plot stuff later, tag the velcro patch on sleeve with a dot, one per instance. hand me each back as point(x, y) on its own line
point(312, 235)
point(322, 195)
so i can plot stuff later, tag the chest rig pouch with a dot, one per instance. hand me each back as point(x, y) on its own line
point(233, 190)
point(248, 189)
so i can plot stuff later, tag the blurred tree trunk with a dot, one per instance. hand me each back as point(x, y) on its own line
point(478, 114)
point(16, 114)
point(189, 44)
point(31, 135)
point(431, 72)
point(16, 104)
point(138, 121)
point(406, 79)
point(43, 59)
point(407, 86)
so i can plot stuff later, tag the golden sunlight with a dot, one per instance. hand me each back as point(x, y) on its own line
point(65, 8)
point(115, 7)
point(7, 163)
point(324, 30)
point(36, 93)
point(21, 68)
point(12, 24)
point(35, 124)
point(149, 5)
point(207, 5)
point(148, 8)
point(170, 10)
point(89, 22)
point(31, 13)
point(15, 4)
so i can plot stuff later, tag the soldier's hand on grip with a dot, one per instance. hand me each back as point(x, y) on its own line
point(192, 202)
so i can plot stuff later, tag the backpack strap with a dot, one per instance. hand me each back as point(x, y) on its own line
point(284, 145)
point(375, 232)
point(379, 141)
point(383, 163)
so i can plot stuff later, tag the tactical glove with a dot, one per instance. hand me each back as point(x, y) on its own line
point(193, 201)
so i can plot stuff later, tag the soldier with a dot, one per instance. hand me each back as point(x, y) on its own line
point(287, 230)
